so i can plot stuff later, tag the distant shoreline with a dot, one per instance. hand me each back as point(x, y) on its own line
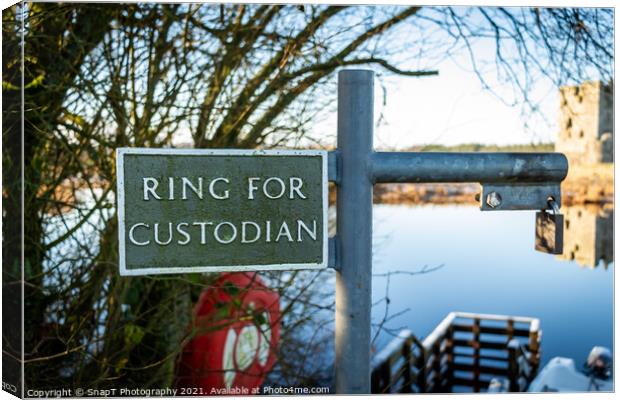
point(479, 147)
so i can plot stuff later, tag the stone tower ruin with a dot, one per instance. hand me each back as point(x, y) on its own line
point(586, 123)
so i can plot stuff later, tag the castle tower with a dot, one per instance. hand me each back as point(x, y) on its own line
point(586, 123)
point(588, 235)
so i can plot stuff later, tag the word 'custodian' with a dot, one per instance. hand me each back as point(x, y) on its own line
point(224, 232)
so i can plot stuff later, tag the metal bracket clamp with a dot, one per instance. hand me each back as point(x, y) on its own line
point(518, 196)
point(332, 166)
point(332, 261)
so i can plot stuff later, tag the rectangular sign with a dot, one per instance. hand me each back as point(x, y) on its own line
point(197, 210)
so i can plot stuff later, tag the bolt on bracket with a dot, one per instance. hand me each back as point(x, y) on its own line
point(518, 196)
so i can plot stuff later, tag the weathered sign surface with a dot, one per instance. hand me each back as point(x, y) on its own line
point(221, 210)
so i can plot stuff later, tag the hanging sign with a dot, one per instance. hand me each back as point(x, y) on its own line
point(196, 210)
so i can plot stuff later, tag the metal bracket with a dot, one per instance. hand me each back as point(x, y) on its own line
point(332, 251)
point(332, 166)
point(519, 196)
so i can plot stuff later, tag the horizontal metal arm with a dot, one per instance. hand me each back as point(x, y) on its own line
point(468, 167)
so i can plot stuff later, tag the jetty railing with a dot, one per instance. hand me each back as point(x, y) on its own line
point(464, 353)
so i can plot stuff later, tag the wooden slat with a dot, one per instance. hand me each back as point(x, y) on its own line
point(492, 330)
point(482, 357)
point(494, 317)
point(458, 381)
point(439, 332)
point(476, 369)
point(393, 350)
point(407, 373)
point(397, 375)
point(483, 369)
point(482, 344)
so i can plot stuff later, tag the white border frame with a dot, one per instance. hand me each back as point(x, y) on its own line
point(120, 193)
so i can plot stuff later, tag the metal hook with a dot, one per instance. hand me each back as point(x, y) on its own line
point(554, 205)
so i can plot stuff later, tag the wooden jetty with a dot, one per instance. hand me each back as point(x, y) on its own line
point(465, 352)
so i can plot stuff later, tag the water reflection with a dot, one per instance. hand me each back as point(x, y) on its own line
point(490, 266)
point(588, 235)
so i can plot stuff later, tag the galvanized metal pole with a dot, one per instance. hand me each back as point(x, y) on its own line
point(525, 180)
point(469, 167)
point(354, 230)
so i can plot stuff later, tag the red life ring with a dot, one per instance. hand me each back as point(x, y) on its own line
point(238, 320)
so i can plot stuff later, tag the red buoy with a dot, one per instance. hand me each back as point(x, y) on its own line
point(238, 328)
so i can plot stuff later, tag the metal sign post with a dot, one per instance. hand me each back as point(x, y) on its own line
point(510, 181)
point(354, 230)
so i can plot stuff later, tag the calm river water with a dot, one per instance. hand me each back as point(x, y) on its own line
point(490, 266)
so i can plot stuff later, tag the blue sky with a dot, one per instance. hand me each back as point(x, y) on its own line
point(454, 108)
